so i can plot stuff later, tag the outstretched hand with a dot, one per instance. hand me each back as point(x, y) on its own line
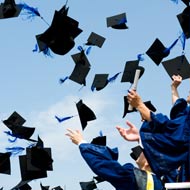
point(75, 136)
point(131, 134)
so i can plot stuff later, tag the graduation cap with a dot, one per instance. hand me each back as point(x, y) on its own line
point(136, 151)
point(90, 185)
point(177, 66)
point(59, 37)
point(100, 81)
point(85, 113)
point(157, 51)
point(9, 9)
point(95, 40)
point(130, 69)
point(100, 140)
point(126, 106)
point(184, 20)
point(5, 164)
point(15, 124)
point(117, 21)
point(39, 157)
point(81, 69)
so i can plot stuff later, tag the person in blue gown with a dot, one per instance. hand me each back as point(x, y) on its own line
point(166, 141)
point(103, 161)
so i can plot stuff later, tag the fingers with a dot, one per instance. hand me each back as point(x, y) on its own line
point(129, 124)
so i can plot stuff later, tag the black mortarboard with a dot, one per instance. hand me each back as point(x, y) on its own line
point(100, 81)
point(129, 71)
point(117, 21)
point(126, 106)
point(136, 151)
point(85, 114)
point(184, 20)
point(5, 164)
point(9, 9)
point(15, 122)
point(177, 66)
point(100, 140)
point(60, 36)
point(26, 173)
point(90, 185)
point(157, 51)
point(81, 69)
point(95, 40)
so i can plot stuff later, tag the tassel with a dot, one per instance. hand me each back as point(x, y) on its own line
point(101, 133)
point(10, 134)
point(92, 88)
point(47, 52)
point(35, 48)
point(183, 41)
point(61, 81)
point(112, 79)
point(167, 50)
point(14, 150)
point(140, 57)
point(63, 119)
point(88, 50)
point(80, 48)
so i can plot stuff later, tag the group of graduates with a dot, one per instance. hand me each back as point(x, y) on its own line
point(163, 151)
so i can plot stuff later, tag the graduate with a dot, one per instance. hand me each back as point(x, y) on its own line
point(166, 141)
point(103, 162)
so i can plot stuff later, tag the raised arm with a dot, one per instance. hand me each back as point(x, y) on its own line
point(177, 79)
point(135, 100)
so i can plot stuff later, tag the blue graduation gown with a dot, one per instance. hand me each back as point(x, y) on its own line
point(103, 162)
point(166, 141)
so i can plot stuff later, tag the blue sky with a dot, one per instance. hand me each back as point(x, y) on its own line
point(30, 81)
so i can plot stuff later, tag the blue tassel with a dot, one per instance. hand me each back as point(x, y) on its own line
point(88, 50)
point(183, 40)
point(15, 150)
point(61, 81)
point(10, 134)
point(47, 52)
point(63, 119)
point(112, 79)
point(35, 48)
point(80, 48)
point(30, 12)
point(140, 57)
point(101, 133)
point(92, 88)
point(167, 50)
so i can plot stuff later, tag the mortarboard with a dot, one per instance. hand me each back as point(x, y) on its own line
point(100, 81)
point(90, 185)
point(117, 21)
point(26, 173)
point(95, 40)
point(59, 37)
point(136, 151)
point(148, 104)
point(184, 20)
point(157, 51)
point(15, 122)
point(9, 9)
point(177, 66)
point(129, 71)
point(5, 164)
point(100, 140)
point(81, 69)
point(85, 114)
